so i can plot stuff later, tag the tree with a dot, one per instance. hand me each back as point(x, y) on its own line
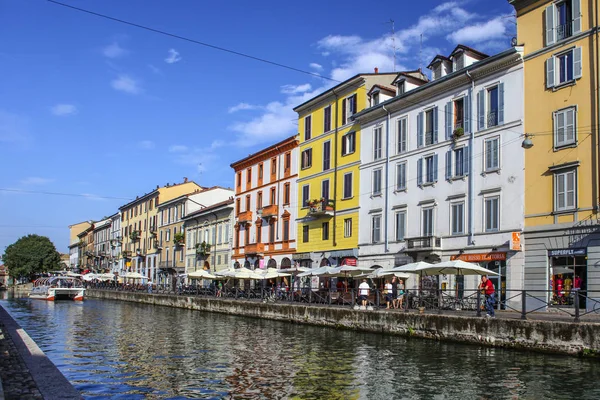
point(31, 255)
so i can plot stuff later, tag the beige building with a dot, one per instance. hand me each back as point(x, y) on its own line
point(74, 245)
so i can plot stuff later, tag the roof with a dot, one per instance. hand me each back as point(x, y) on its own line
point(263, 151)
point(469, 49)
point(416, 74)
point(438, 57)
point(382, 87)
point(208, 209)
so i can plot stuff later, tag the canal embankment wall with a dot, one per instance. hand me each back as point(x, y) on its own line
point(560, 337)
point(25, 369)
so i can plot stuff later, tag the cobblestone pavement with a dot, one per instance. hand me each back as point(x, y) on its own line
point(16, 378)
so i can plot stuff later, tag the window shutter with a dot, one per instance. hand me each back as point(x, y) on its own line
point(550, 28)
point(466, 160)
point(344, 141)
point(501, 104)
point(448, 113)
point(420, 171)
point(570, 125)
point(435, 124)
point(343, 111)
point(576, 11)
point(550, 73)
point(481, 110)
point(420, 129)
point(448, 165)
point(354, 104)
point(577, 62)
point(467, 118)
point(435, 167)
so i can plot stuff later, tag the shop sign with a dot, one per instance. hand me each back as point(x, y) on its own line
point(515, 242)
point(480, 257)
point(567, 252)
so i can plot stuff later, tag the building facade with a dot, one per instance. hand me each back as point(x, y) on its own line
point(327, 202)
point(265, 210)
point(74, 243)
point(442, 169)
point(86, 248)
point(208, 237)
point(116, 260)
point(101, 232)
point(562, 232)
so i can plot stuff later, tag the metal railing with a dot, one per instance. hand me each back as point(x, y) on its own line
point(426, 242)
point(564, 31)
point(492, 119)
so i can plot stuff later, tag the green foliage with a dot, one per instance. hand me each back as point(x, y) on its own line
point(179, 238)
point(31, 255)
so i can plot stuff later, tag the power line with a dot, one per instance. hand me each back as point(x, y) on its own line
point(89, 196)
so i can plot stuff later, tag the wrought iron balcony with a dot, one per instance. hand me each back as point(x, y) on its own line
point(167, 264)
point(126, 254)
point(269, 211)
point(564, 31)
point(158, 245)
point(321, 208)
point(254, 248)
point(492, 119)
point(244, 217)
point(424, 243)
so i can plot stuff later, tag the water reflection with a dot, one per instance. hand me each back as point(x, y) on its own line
point(115, 349)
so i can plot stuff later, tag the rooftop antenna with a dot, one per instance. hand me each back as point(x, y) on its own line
point(420, 54)
point(391, 21)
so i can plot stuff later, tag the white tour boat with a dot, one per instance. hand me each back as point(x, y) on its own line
point(57, 288)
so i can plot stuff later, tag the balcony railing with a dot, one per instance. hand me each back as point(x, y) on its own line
point(564, 31)
point(269, 211)
point(428, 138)
point(153, 228)
point(158, 245)
point(167, 264)
point(254, 248)
point(492, 119)
point(126, 254)
point(323, 207)
point(245, 216)
point(424, 243)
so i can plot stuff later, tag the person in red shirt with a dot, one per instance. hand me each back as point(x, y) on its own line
point(490, 295)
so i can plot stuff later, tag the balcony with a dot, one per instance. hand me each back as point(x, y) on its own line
point(126, 254)
point(158, 245)
point(269, 211)
point(167, 264)
point(492, 119)
point(244, 217)
point(321, 208)
point(153, 229)
point(564, 31)
point(254, 248)
point(424, 243)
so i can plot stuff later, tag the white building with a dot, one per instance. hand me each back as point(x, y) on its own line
point(102, 232)
point(442, 169)
point(265, 206)
point(117, 262)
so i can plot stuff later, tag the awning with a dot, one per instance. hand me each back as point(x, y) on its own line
point(301, 256)
point(343, 253)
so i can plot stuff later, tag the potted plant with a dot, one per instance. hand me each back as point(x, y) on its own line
point(135, 235)
point(179, 238)
point(202, 249)
point(458, 133)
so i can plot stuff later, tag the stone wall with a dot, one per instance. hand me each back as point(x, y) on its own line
point(546, 336)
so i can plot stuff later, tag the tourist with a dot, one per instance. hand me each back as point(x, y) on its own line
point(388, 294)
point(394, 292)
point(363, 293)
point(400, 297)
point(490, 295)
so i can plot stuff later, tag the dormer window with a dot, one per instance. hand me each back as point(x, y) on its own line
point(459, 62)
point(375, 98)
point(437, 71)
point(401, 87)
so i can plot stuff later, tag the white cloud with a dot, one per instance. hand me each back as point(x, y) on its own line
point(113, 50)
point(62, 110)
point(177, 148)
point(36, 180)
point(146, 145)
point(242, 107)
point(479, 33)
point(125, 83)
point(316, 66)
point(173, 57)
point(293, 89)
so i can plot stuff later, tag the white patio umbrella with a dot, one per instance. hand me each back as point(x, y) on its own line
point(70, 273)
point(383, 272)
point(318, 271)
point(202, 274)
point(106, 277)
point(293, 270)
point(457, 267)
point(241, 273)
point(134, 275)
point(272, 273)
point(89, 277)
point(347, 270)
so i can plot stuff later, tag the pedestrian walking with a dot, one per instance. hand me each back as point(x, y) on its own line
point(363, 293)
point(395, 292)
point(488, 289)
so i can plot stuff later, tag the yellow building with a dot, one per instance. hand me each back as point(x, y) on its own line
point(328, 178)
point(76, 247)
point(139, 228)
point(560, 40)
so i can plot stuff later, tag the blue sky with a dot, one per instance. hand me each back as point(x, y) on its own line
point(101, 109)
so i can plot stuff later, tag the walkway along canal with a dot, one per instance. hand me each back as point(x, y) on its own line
point(553, 336)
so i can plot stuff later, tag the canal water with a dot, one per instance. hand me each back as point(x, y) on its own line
point(111, 349)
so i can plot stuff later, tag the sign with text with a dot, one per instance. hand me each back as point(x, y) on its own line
point(567, 252)
point(479, 257)
point(515, 241)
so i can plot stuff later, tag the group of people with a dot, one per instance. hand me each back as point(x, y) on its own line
point(393, 291)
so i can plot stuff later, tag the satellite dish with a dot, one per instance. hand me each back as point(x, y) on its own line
point(513, 42)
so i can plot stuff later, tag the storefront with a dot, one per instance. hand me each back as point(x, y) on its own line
point(567, 273)
point(494, 261)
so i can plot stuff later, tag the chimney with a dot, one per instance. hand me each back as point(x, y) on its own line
point(185, 179)
point(376, 70)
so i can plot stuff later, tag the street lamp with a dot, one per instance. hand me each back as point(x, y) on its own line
point(527, 143)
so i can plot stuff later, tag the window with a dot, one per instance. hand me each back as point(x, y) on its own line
point(305, 233)
point(375, 99)
point(564, 189)
point(273, 168)
point(401, 176)
point(306, 158)
point(168, 235)
point(327, 119)
point(492, 212)
point(377, 182)
point(563, 20)
point(492, 157)
point(490, 107)
point(273, 196)
point(226, 236)
point(238, 207)
point(376, 229)
point(427, 127)
point(325, 230)
point(259, 201)
point(348, 108)
point(457, 215)
point(564, 127)
point(348, 185)
point(305, 195)
point(427, 221)
point(347, 227)
point(459, 62)
point(239, 179)
point(437, 71)
point(249, 176)
point(377, 143)
point(260, 171)
point(219, 259)
point(401, 87)
point(248, 203)
point(427, 170)
point(459, 113)
point(401, 136)
point(457, 163)
point(287, 161)
point(326, 155)
point(272, 231)
point(349, 143)
point(325, 189)
point(307, 127)
point(564, 67)
point(220, 236)
point(286, 230)
point(492, 95)
point(286, 193)
point(400, 225)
